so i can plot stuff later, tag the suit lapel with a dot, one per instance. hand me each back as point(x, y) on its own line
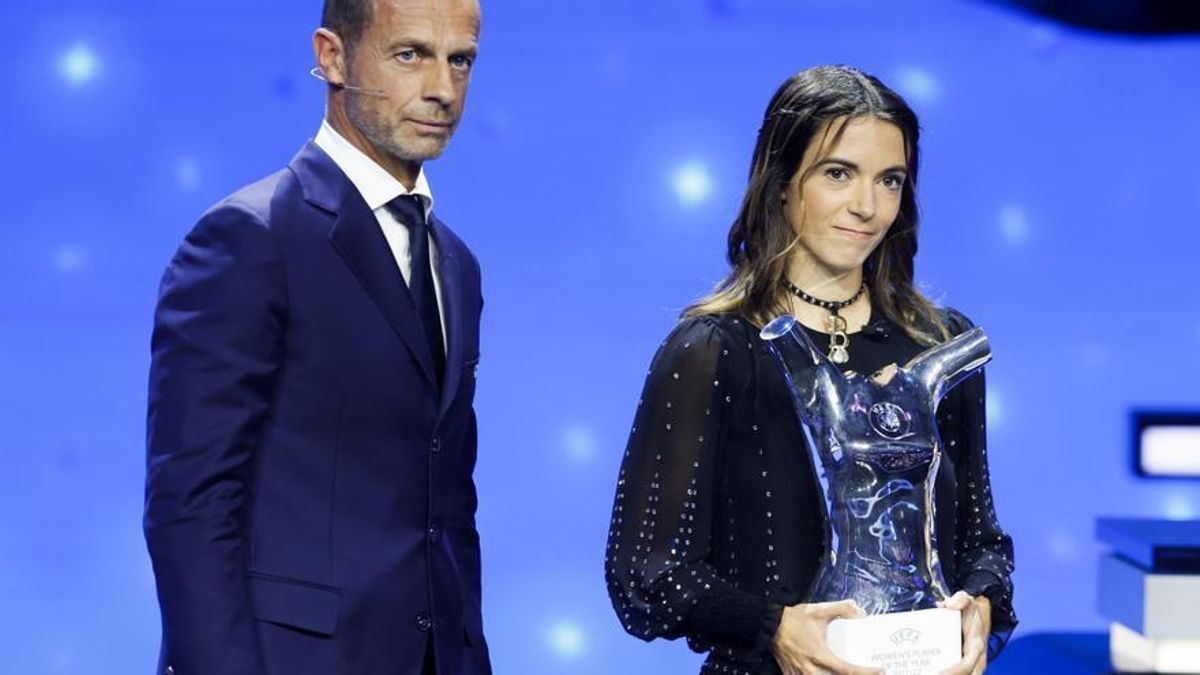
point(359, 241)
point(449, 275)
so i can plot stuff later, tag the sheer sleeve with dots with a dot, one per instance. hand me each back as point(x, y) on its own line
point(659, 578)
point(983, 551)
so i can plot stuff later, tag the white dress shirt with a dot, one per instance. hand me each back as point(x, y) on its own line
point(378, 187)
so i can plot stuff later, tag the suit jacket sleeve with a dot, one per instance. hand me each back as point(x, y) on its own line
point(215, 352)
point(475, 557)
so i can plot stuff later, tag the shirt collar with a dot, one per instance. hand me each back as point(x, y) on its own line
point(374, 183)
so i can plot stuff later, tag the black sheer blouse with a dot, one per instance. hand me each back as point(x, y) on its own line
point(717, 523)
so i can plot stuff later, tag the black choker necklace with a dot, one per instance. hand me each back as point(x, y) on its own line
point(839, 342)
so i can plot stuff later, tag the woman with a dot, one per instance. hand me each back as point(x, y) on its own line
point(717, 529)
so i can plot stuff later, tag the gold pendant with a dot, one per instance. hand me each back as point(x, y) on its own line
point(837, 348)
point(838, 340)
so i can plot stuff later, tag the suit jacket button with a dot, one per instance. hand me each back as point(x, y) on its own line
point(170, 670)
point(433, 533)
point(424, 623)
point(435, 445)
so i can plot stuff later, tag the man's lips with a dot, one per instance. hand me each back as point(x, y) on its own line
point(433, 124)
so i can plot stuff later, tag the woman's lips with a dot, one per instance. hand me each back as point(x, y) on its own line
point(855, 234)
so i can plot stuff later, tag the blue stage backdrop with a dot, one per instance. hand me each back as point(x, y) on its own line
point(602, 157)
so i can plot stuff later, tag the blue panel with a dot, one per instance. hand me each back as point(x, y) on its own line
point(1122, 592)
point(1060, 653)
point(1161, 546)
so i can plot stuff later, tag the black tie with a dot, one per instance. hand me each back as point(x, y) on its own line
point(409, 210)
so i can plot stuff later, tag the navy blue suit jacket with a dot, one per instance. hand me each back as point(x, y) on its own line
point(310, 506)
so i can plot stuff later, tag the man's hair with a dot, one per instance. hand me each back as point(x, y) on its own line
point(347, 18)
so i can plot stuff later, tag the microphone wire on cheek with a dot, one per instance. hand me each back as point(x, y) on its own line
point(316, 72)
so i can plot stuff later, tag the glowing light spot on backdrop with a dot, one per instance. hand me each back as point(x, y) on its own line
point(61, 660)
point(918, 84)
point(692, 184)
point(79, 65)
point(566, 639)
point(1094, 355)
point(69, 258)
point(579, 442)
point(1046, 38)
point(187, 173)
point(1062, 545)
point(995, 408)
point(1178, 506)
point(1014, 225)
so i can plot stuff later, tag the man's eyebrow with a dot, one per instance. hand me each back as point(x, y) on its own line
point(426, 48)
point(409, 43)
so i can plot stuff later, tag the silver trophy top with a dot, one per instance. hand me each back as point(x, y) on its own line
point(875, 448)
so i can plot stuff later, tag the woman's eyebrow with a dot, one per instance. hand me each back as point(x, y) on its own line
point(898, 168)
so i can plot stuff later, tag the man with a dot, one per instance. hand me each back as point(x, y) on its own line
point(309, 497)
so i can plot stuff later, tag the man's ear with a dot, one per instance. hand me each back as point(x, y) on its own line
point(330, 54)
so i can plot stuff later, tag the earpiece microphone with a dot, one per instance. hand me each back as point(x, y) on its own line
point(316, 72)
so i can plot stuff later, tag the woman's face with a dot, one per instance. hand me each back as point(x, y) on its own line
point(851, 195)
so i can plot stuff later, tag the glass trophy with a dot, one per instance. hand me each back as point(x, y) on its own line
point(875, 450)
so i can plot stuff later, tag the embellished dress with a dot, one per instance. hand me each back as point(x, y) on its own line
point(717, 522)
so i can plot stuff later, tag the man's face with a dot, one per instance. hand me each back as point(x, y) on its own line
point(419, 54)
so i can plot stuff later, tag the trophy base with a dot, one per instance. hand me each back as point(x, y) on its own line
point(923, 642)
